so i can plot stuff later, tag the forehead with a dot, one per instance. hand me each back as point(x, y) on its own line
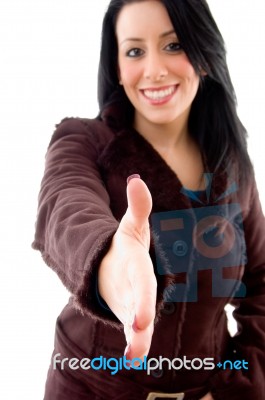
point(141, 19)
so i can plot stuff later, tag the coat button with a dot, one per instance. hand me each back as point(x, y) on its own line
point(168, 309)
point(156, 373)
point(180, 248)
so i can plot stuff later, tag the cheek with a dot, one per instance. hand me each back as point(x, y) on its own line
point(129, 73)
point(185, 69)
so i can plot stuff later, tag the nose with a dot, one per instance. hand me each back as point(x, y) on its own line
point(155, 67)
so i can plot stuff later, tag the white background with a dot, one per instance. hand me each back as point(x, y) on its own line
point(48, 69)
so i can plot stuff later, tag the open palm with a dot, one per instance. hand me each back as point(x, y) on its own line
point(126, 277)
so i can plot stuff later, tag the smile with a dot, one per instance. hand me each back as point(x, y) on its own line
point(160, 95)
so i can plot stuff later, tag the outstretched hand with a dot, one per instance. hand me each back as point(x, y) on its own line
point(126, 277)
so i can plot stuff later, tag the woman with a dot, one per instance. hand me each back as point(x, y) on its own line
point(167, 115)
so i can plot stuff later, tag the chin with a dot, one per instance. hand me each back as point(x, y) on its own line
point(163, 119)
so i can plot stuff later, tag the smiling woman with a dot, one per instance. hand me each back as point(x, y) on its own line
point(150, 216)
point(161, 84)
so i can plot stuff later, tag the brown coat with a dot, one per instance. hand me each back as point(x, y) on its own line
point(82, 198)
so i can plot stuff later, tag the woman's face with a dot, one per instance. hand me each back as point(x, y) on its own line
point(155, 72)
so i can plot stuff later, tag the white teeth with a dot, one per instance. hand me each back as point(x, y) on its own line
point(159, 94)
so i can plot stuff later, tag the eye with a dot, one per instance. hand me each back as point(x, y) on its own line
point(135, 52)
point(173, 47)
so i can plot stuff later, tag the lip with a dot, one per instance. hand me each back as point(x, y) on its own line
point(163, 100)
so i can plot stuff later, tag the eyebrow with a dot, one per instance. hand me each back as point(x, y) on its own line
point(133, 39)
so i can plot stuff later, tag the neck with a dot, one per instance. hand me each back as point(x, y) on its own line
point(178, 149)
point(164, 137)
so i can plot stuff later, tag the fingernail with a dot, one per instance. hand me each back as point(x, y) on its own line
point(134, 325)
point(132, 177)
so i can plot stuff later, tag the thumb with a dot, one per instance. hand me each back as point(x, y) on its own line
point(139, 202)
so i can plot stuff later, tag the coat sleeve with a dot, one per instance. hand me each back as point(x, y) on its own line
point(249, 343)
point(75, 225)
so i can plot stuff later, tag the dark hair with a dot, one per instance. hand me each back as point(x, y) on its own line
point(213, 119)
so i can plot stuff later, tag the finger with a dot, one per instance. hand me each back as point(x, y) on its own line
point(144, 287)
point(145, 306)
point(139, 202)
point(140, 343)
point(140, 316)
point(208, 396)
